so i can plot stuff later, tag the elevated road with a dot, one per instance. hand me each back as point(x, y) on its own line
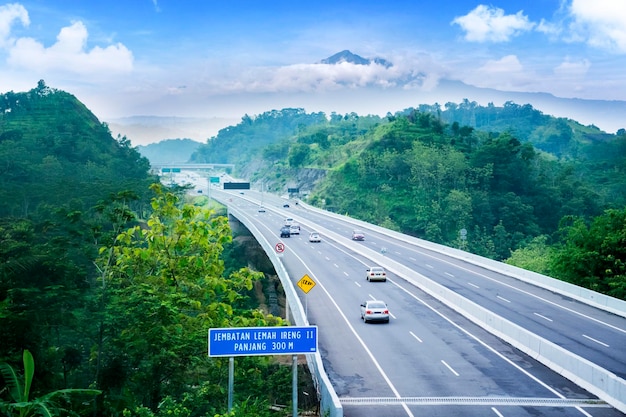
point(431, 360)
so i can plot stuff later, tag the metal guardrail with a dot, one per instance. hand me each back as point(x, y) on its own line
point(584, 295)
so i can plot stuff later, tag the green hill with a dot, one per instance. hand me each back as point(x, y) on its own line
point(55, 152)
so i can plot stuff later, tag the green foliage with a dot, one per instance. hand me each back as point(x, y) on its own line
point(536, 256)
point(48, 405)
point(163, 289)
point(48, 140)
point(594, 255)
point(131, 319)
point(238, 144)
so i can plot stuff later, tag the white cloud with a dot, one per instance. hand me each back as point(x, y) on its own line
point(486, 23)
point(69, 54)
point(407, 72)
point(570, 69)
point(600, 22)
point(549, 28)
point(506, 73)
point(8, 14)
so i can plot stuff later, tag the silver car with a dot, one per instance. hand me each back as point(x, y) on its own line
point(375, 273)
point(374, 310)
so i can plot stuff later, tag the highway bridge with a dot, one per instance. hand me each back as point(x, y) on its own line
point(164, 167)
point(467, 337)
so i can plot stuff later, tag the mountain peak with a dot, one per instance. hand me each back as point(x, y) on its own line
point(347, 56)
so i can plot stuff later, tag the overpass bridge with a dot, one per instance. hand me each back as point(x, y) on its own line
point(160, 167)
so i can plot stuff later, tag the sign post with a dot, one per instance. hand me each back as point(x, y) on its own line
point(250, 341)
point(306, 283)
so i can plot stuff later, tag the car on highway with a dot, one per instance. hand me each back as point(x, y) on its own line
point(358, 235)
point(285, 231)
point(261, 209)
point(374, 310)
point(376, 273)
point(314, 237)
point(294, 229)
point(286, 205)
point(288, 221)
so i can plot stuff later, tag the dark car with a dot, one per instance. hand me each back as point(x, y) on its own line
point(358, 235)
point(285, 231)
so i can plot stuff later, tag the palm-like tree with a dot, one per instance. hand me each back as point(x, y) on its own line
point(20, 404)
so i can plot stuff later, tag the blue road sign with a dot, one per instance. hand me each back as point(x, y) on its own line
point(249, 341)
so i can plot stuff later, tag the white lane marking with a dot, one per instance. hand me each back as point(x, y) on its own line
point(449, 274)
point(578, 313)
point(327, 258)
point(502, 298)
point(412, 258)
point(415, 336)
point(595, 340)
point(336, 266)
point(495, 410)
point(346, 274)
point(429, 266)
point(450, 368)
point(473, 285)
point(543, 317)
point(484, 344)
point(356, 335)
point(394, 317)
point(357, 284)
point(398, 253)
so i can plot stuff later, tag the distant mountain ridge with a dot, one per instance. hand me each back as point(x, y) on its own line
point(169, 151)
point(609, 115)
point(347, 56)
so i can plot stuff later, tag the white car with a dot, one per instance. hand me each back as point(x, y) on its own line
point(315, 237)
point(294, 229)
point(375, 273)
point(374, 310)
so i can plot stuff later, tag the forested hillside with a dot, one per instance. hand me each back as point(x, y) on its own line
point(109, 282)
point(515, 179)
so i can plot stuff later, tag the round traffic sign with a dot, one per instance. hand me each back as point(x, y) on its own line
point(280, 247)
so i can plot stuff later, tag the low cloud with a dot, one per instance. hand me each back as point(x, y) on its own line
point(506, 73)
point(329, 77)
point(570, 69)
point(486, 23)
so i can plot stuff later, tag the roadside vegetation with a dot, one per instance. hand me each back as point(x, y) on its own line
point(508, 183)
point(109, 281)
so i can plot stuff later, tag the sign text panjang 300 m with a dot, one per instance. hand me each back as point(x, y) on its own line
point(248, 341)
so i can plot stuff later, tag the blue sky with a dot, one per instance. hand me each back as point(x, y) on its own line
point(214, 58)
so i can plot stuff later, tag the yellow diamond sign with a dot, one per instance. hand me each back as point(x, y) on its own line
point(306, 283)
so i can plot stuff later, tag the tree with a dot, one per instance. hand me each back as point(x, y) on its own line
point(48, 405)
point(163, 288)
point(298, 155)
point(594, 256)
